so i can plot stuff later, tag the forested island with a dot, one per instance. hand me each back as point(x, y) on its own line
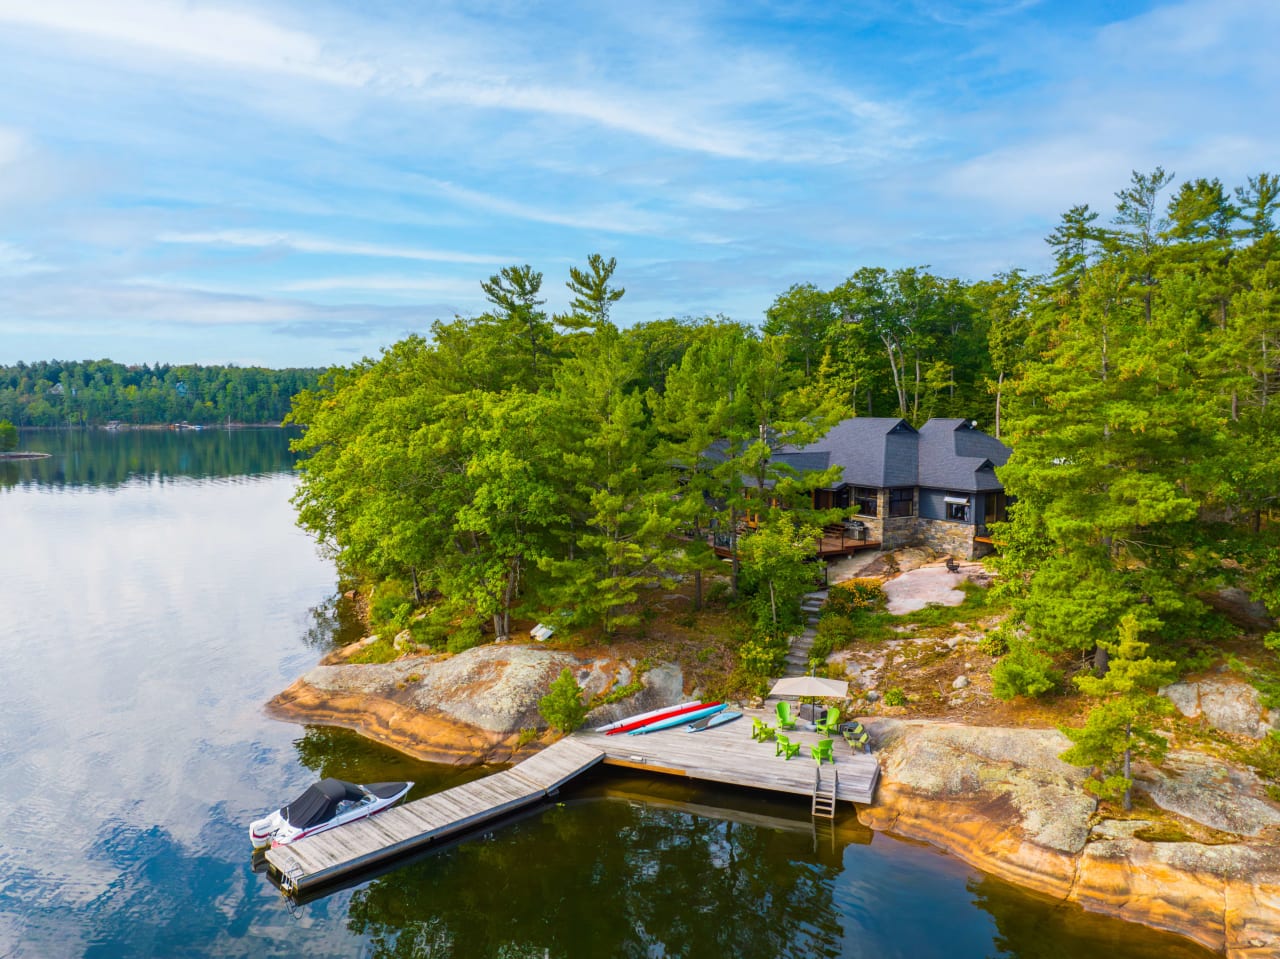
point(50, 394)
point(632, 488)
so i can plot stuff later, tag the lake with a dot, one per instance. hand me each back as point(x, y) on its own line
point(155, 593)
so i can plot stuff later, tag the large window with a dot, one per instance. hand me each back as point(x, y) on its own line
point(957, 508)
point(902, 502)
point(866, 499)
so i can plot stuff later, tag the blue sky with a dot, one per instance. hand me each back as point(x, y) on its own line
point(304, 183)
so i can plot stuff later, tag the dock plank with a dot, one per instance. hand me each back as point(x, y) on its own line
point(725, 754)
point(337, 852)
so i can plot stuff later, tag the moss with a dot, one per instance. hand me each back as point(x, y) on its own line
point(1163, 832)
point(380, 651)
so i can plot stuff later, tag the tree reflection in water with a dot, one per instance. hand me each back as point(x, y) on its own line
point(1031, 926)
point(608, 878)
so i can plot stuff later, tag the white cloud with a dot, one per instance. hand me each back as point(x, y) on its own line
point(302, 243)
point(701, 99)
point(442, 286)
point(15, 261)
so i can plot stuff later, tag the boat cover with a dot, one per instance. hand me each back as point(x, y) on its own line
point(319, 803)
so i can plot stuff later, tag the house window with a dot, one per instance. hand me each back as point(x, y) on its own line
point(866, 498)
point(902, 502)
point(957, 508)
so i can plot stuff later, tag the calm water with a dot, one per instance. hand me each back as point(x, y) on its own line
point(154, 593)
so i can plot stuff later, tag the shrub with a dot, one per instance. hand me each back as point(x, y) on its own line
point(562, 707)
point(895, 697)
point(527, 735)
point(8, 436)
point(854, 595)
point(995, 643)
point(463, 638)
point(1023, 671)
point(762, 656)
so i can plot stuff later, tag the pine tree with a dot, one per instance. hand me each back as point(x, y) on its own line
point(1120, 727)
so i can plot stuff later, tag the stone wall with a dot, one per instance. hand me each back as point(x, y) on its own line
point(943, 536)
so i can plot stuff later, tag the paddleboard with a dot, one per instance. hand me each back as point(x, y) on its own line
point(635, 722)
point(653, 727)
point(707, 722)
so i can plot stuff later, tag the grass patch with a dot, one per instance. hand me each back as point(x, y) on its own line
point(382, 650)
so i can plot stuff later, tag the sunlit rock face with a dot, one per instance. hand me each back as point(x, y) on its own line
point(1227, 704)
point(1001, 800)
point(474, 707)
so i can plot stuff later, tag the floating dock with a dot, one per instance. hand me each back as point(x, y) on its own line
point(727, 754)
point(330, 855)
point(723, 754)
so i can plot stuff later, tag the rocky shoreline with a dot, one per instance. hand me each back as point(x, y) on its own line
point(997, 798)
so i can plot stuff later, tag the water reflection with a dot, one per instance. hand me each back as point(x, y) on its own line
point(107, 458)
point(148, 625)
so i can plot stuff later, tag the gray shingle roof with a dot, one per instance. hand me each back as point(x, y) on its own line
point(888, 452)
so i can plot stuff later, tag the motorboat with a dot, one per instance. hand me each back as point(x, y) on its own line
point(325, 805)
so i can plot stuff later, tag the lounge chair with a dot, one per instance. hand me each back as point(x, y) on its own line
point(784, 716)
point(830, 723)
point(786, 748)
point(822, 750)
point(761, 731)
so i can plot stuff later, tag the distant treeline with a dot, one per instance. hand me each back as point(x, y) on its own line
point(96, 392)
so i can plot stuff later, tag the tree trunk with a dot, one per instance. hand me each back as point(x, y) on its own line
point(697, 591)
point(999, 395)
point(773, 606)
point(1101, 660)
point(733, 548)
point(1128, 800)
point(417, 590)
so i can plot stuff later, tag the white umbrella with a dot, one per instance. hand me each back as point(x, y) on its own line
point(811, 686)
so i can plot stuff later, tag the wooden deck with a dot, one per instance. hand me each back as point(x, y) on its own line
point(330, 855)
point(727, 754)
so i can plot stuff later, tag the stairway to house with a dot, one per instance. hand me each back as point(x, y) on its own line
point(798, 652)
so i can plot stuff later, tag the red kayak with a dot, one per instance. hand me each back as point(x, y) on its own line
point(655, 717)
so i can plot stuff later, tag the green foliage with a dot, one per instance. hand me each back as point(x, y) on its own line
point(94, 392)
point(996, 642)
point(762, 656)
point(777, 564)
point(619, 693)
point(1120, 726)
point(562, 707)
point(8, 436)
point(1265, 757)
point(381, 650)
point(1023, 671)
point(527, 735)
point(894, 696)
point(854, 595)
point(464, 637)
point(834, 632)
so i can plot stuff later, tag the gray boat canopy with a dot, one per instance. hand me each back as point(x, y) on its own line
point(319, 803)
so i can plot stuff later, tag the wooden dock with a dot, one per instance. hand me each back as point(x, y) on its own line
point(724, 754)
point(727, 754)
point(330, 855)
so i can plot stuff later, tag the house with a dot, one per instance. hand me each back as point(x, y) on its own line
point(934, 486)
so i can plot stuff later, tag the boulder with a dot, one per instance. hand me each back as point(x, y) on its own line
point(463, 709)
point(1212, 793)
point(1000, 798)
point(1230, 705)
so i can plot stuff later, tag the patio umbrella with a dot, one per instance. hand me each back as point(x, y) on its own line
point(811, 686)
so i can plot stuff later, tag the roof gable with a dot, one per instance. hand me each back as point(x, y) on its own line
point(888, 452)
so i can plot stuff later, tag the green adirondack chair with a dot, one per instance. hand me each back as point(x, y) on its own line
point(784, 716)
point(822, 750)
point(786, 748)
point(831, 723)
point(761, 731)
